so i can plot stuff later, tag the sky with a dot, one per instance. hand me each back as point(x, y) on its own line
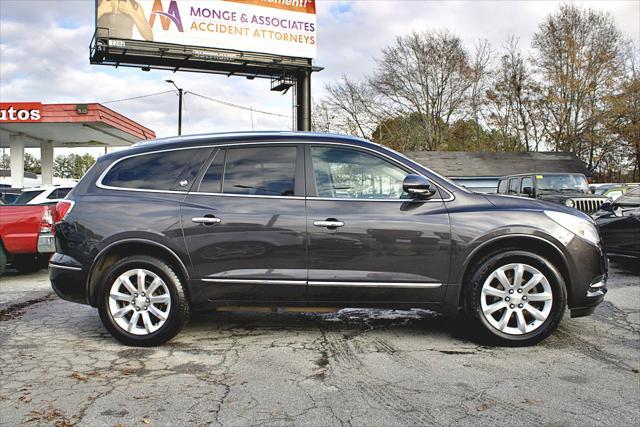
point(44, 56)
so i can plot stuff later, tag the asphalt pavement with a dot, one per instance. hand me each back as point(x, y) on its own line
point(59, 366)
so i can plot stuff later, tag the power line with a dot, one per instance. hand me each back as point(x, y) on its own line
point(136, 97)
point(219, 101)
point(229, 104)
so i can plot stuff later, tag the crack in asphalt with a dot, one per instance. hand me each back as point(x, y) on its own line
point(357, 367)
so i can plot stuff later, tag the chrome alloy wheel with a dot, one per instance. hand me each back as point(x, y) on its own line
point(516, 299)
point(139, 301)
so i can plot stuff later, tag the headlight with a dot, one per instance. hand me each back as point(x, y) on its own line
point(580, 227)
point(570, 203)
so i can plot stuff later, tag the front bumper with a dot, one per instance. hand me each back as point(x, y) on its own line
point(589, 278)
point(68, 278)
point(596, 292)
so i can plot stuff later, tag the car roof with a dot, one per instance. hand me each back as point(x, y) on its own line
point(186, 141)
point(540, 173)
point(46, 187)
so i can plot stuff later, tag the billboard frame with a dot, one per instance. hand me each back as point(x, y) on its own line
point(147, 55)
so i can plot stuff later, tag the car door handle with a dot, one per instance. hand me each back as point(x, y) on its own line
point(207, 220)
point(329, 223)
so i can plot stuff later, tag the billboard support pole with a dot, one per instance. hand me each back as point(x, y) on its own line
point(303, 101)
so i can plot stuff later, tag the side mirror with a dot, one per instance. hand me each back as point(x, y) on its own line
point(528, 191)
point(418, 186)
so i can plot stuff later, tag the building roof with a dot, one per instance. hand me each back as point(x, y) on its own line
point(489, 164)
point(69, 125)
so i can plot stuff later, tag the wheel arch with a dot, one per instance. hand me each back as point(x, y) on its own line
point(538, 245)
point(127, 247)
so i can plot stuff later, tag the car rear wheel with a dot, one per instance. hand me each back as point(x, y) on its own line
point(518, 298)
point(143, 301)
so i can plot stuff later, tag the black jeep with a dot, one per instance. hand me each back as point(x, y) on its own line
point(569, 189)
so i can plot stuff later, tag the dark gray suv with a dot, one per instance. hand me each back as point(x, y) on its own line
point(285, 219)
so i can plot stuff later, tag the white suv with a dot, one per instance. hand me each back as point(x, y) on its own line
point(44, 195)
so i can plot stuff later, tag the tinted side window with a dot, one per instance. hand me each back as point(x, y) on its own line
point(526, 182)
point(352, 174)
point(58, 193)
point(156, 171)
point(27, 196)
point(514, 185)
point(212, 179)
point(503, 186)
point(264, 171)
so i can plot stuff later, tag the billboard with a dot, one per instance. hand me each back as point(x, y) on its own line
point(278, 27)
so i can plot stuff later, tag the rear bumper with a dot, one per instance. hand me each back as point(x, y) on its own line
point(68, 278)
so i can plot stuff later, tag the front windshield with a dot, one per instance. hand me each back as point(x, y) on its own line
point(631, 198)
point(562, 183)
point(603, 189)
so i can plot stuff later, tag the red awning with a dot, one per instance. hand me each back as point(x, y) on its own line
point(69, 125)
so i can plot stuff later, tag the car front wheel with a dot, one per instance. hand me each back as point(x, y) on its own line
point(143, 301)
point(518, 298)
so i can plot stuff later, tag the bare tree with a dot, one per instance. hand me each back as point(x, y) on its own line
point(514, 101)
point(480, 81)
point(427, 74)
point(578, 56)
point(321, 119)
point(352, 105)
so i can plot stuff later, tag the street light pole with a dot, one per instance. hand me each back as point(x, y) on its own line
point(180, 93)
point(179, 111)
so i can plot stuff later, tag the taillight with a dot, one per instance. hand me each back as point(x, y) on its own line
point(62, 209)
point(46, 223)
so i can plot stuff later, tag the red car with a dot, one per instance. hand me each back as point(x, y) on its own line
point(26, 238)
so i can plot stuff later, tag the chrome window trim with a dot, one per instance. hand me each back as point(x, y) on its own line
point(99, 183)
point(259, 196)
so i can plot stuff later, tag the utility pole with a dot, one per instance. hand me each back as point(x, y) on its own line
point(180, 93)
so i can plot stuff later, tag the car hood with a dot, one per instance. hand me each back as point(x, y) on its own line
point(513, 202)
point(566, 196)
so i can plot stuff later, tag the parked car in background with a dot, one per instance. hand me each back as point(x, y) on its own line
point(9, 195)
point(611, 191)
point(26, 239)
point(46, 195)
point(569, 189)
point(619, 224)
point(285, 219)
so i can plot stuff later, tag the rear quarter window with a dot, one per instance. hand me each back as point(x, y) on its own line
point(58, 193)
point(156, 171)
point(27, 196)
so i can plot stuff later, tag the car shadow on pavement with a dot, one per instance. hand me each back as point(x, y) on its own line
point(349, 321)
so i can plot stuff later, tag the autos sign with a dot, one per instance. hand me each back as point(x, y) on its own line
point(20, 112)
point(280, 27)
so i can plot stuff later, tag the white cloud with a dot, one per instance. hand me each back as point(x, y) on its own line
point(44, 56)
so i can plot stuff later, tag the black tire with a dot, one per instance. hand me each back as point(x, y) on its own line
point(29, 263)
point(3, 260)
point(179, 312)
point(473, 294)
